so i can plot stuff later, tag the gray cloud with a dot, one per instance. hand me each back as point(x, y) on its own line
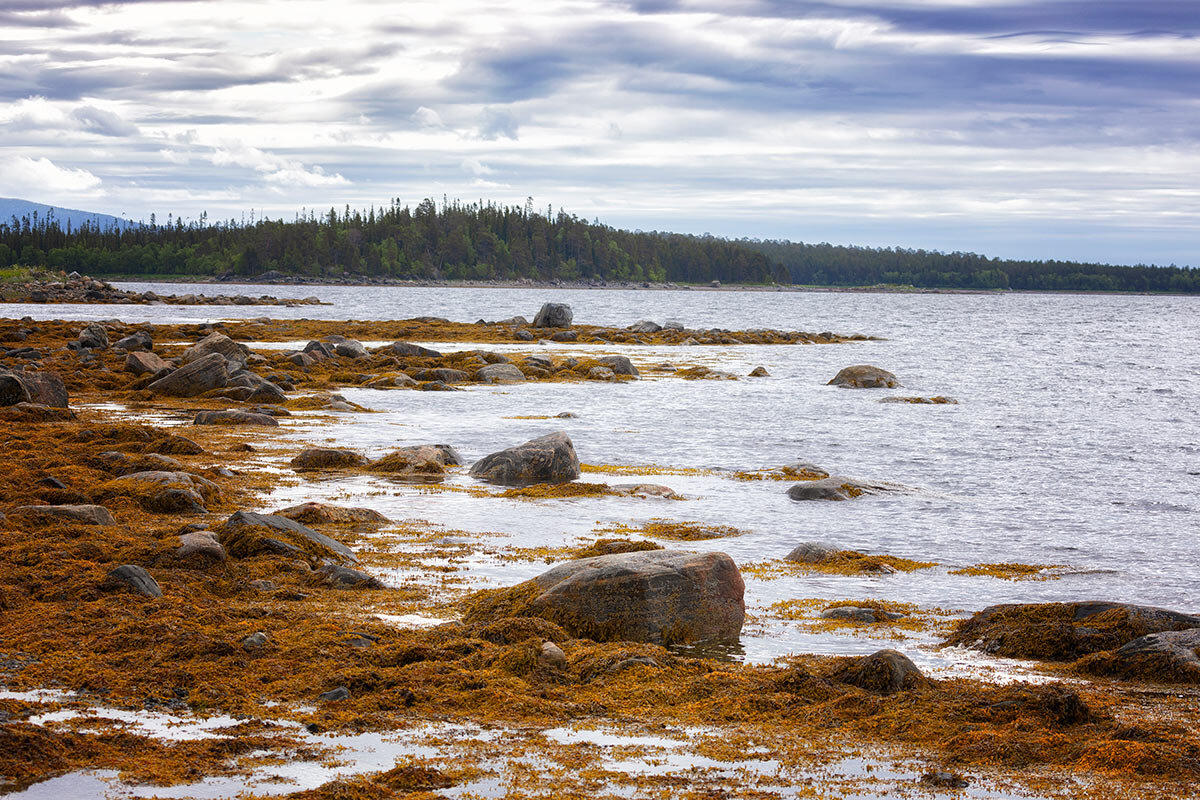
point(105, 123)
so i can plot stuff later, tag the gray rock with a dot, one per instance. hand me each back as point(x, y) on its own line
point(93, 337)
point(39, 388)
point(672, 325)
point(234, 417)
point(864, 376)
point(408, 349)
point(340, 577)
point(522, 335)
point(334, 695)
point(442, 375)
point(644, 326)
point(200, 548)
point(553, 315)
point(500, 373)
point(200, 376)
point(351, 348)
point(144, 362)
point(1167, 656)
point(87, 514)
point(165, 492)
point(133, 578)
point(539, 362)
point(660, 596)
point(619, 364)
point(601, 374)
point(552, 655)
point(135, 341)
point(279, 535)
point(254, 642)
point(232, 352)
point(811, 553)
point(547, 459)
point(835, 488)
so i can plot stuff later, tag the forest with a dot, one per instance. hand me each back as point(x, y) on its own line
point(487, 241)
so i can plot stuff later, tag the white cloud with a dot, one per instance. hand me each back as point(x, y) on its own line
point(276, 169)
point(294, 174)
point(427, 118)
point(476, 167)
point(40, 177)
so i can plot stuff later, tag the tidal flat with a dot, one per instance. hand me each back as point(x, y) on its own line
point(402, 655)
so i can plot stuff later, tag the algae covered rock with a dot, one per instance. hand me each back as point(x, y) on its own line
point(864, 376)
point(884, 671)
point(546, 459)
point(164, 492)
point(248, 534)
point(833, 488)
point(811, 553)
point(500, 373)
point(659, 596)
point(234, 417)
point(326, 514)
point(327, 458)
point(1064, 631)
point(1164, 657)
point(199, 549)
point(87, 514)
point(39, 388)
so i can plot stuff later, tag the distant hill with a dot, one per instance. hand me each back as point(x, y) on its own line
point(12, 207)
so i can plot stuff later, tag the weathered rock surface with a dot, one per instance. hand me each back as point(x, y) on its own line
point(547, 459)
point(500, 373)
point(326, 514)
point(87, 514)
point(620, 365)
point(236, 354)
point(164, 492)
point(442, 374)
point(346, 578)
point(144, 362)
point(1165, 657)
point(660, 596)
point(200, 549)
point(553, 315)
point(833, 488)
point(886, 672)
point(134, 578)
point(248, 534)
point(200, 376)
point(40, 388)
point(811, 553)
point(1064, 631)
point(327, 458)
point(644, 326)
point(233, 416)
point(865, 376)
point(408, 349)
point(93, 337)
point(141, 340)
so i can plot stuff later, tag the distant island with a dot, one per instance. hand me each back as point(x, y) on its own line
point(490, 242)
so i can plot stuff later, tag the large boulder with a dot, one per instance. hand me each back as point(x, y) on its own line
point(408, 349)
point(499, 373)
point(547, 459)
point(864, 376)
point(248, 534)
point(93, 337)
point(1165, 657)
point(1064, 631)
point(144, 362)
point(327, 458)
point(40, 388)
point(553, 315)
point(236, 354)
point(87, 514)
point(200, 376)
point(660, 596)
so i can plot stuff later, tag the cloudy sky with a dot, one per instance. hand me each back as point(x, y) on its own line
point(1059, 128)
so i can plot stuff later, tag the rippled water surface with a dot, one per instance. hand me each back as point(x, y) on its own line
point(1076, 441)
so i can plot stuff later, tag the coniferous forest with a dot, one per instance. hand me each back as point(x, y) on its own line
point(486, 241)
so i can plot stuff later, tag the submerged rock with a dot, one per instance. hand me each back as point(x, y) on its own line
point(547, 459)
point(660, 596)
point(834, 488)
point(811, 553)
point(553, 315)
point(1064, 631)
point(864, 376)
point(759, 372)
point(248, 534)
point(860, 614)
point(327, 458)
point(885, 671)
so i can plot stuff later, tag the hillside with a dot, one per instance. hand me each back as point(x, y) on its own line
point(11, 207)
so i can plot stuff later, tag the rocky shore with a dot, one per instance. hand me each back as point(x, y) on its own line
point(76, 288)
point(139, 574)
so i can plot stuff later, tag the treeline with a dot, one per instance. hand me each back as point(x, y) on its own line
point(454, 241)
point(836, 265)
point(484, 241)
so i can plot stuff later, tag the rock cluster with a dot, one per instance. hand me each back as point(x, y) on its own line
point(77, 288)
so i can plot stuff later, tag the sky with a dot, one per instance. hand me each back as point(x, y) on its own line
point(1055, 129)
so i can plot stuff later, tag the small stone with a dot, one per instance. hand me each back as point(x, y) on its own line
point(255, 641)
point(263, 585)
point(552, 655)
point(134, 578)
point(759, 372)
point(334, 695)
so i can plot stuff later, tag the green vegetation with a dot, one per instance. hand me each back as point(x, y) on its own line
point(484, 241)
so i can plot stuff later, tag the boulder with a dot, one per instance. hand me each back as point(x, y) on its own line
point(327, 458)
point(164, 492)
point(811, 553)
point(39, 388)
point(885, 672)
point(93, 337)
point(644, 326)
point(619, 365)
point(864, 376)
point(547, 459)
point(249, 387)
point(408, 349)
point(553, 315)
point(499, 373)
point(221, 344)
point(834, 488)
point(1165, 657)
point(232, 416)
point(442, 375)
point(200, 376)
point(659, 596)
point(442, 454)
point(248, 534)
point(759, 372)
point(134, 579)
point(601, 374)
point(324, 514)
point(350, 348)
point(340, 577)
point(1064, 631)
point(144, 362)
point(199, 549)
point(87, 514)
point(135, 341)
point(522, 335)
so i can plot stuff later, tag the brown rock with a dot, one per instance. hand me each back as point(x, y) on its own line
point(864, 376)
point(325, 514)
point(327, 458)
point(144, 362)
point(885, 672)
point(547, 459)
point(200, 376)
point(87, 514)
